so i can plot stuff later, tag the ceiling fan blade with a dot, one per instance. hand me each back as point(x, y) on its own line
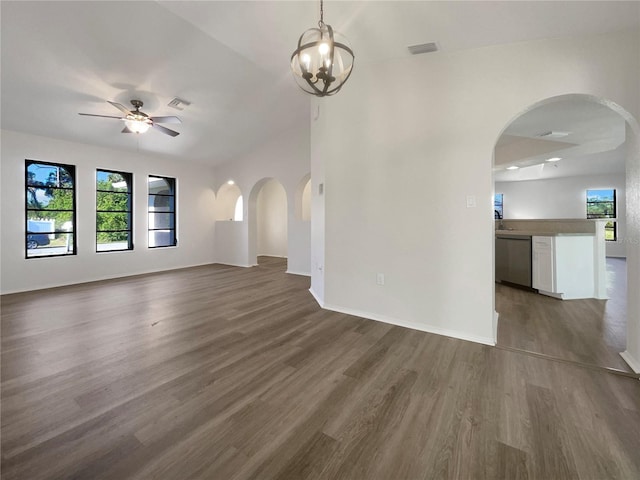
point(165, 130)
point(103, 116)
point(169, 119)
point(120, 107)
point(126, 130)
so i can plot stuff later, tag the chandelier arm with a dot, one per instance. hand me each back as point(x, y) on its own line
point(315, 89)
point(331, 50)
point(345, 48)
point(306, 45)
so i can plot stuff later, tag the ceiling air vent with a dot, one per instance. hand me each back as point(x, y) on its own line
point(553, 134)
point(178, 103)
point(423, 48)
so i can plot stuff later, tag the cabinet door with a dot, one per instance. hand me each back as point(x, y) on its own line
point(543, 264)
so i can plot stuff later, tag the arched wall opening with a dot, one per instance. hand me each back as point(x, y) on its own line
point(227, 199)
point(268, 220)
point(303, 199)
point(299, 228)
point(630, 215)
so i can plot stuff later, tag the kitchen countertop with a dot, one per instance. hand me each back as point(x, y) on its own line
point(529, 233)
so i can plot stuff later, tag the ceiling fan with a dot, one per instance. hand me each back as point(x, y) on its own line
point(139, 122)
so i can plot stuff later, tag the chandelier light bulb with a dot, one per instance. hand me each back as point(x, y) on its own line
point(306, 60)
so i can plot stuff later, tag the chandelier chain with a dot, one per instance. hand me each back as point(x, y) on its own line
point(321, 22)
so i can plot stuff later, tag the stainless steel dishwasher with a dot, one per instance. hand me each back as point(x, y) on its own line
point(513, 259)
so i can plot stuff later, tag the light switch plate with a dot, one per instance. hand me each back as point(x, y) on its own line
point(471, 201)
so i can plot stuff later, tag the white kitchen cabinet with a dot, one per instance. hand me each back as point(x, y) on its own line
point(542, 264)
point(562, 266)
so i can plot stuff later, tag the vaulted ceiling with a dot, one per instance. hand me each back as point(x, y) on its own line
point(229, 59)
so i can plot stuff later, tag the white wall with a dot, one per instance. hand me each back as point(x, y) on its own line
point(306, 202)
point(632, 353)
point(225, 204)
point(228, 235)
point(319, 131)
point(285, 159)
point(272, 220)
point(195, 217)
point(564, 198)
point(421, 136)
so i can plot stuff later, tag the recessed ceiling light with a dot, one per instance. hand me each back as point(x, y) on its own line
point(553, 134)
point(513, 167)
point(554, 159)
point(230, 182)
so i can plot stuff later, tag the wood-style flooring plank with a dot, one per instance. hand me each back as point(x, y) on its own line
point(588, 331)
point(219, 372)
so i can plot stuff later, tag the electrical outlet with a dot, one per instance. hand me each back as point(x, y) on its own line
point(380, 278)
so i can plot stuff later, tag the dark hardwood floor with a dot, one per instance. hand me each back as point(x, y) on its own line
point(586, 331)
point(221, 372)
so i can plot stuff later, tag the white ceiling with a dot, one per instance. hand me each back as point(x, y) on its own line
point(594, 144)
point(229, 59)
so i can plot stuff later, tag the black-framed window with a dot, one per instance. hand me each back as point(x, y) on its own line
point(114, 203)
point(162, 211)
point(602, 204)
point(50, 205)
point(498, 206)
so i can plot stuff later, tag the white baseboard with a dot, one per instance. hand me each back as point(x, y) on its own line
point(632, 362)
point(114, 276)
point(304, 274)
point(317, 297)
point(234, 264)
point(412, 325)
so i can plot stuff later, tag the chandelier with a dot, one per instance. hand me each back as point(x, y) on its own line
point(322, 62)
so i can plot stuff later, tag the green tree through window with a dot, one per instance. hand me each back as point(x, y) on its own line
point(50, 209)
point(602, 204)
point(113, 211)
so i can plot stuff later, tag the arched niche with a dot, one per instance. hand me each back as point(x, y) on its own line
point(303, 199)
point(268, 220)
point(226, 201)
point(631, 152)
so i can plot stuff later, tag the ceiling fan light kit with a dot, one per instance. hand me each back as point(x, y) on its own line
point(136, 122)
point(135, 126)
point(323, 61)
point(139, 122)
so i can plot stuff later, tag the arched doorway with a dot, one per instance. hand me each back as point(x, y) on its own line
point(268, 222)
point(559, 151)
